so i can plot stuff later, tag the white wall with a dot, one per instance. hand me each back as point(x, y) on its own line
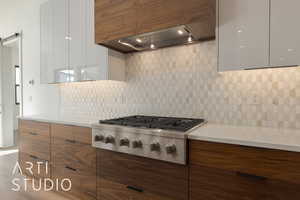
point(16, 15)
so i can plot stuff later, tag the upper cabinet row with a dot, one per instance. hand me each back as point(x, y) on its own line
point(68, 49)
point(258, 33)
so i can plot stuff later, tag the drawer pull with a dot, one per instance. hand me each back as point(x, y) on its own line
point(246, 175)
point(70, 141)
point(71, 168)
point(135, 189)
point(34, 157)
point(34, 134)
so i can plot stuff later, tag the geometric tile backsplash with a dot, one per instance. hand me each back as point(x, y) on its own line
point(183, 81)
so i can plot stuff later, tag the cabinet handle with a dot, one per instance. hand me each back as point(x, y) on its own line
point(70, 141)
point(37, 158)
point(33, 157)
point(246, 175)
point(135, 189)
point(70, 168)
point(31, 133)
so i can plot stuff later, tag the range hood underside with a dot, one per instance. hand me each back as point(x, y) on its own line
point(179, 35)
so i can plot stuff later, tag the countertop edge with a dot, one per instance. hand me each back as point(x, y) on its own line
point(57, 121)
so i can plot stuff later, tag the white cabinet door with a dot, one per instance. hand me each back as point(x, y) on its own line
point(243, 34)
point(77, 24)
point(47, 75)
point(285, 33)
point(96, 55)
point(60, 15)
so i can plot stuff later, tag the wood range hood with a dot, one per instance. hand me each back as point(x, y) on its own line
point(139, 25)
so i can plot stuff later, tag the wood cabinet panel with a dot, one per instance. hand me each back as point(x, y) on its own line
point(159, 14)
point(157, 177)
point(109, 190)
point(80, 155)
point(83, 181)
point(114, 19)
point(73, 157)
point(38, 128)
point(34, 166)
point(123, 18)
point(214, 184)
point(275, 164)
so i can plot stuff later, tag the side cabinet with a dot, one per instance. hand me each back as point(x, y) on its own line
point(126, 177)
point(232, 172)
point(243, 34)
point(73, 157)
point(34, 148)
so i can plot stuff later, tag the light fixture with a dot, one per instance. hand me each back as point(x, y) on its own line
point(152, 46)
point(139, 40)
point(180, 32)
point(190, 39)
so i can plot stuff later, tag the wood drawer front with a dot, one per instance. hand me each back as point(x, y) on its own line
point(40, 168)
point(81, 156)
point(115, 19)
point(153, 176)
point(275, 164)
point(36, 128)
point(37, 145)
point(72, 133)
point(83, 181)
point(214, 184)
point(109, 190)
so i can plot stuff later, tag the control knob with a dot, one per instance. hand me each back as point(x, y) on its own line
point(155, 146)
point(109, 140)
point(171, 149)
point(98, 138)
point(124, 142)
point(137, 144)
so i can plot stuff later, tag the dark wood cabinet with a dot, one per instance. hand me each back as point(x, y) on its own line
point(34, 149)
point(122, 176)
point(115, 19)
point(73, 157)
point(232, 172)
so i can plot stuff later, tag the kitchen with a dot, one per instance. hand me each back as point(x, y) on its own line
point(229, 101)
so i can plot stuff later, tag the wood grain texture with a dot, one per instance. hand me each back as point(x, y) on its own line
point(161, 178)
point(73, 157)
point(123, 18)
point(34, 166)
point(215, 184)
point(34, 139)
point(274, 164)
point(109, 190)
point(114, 19)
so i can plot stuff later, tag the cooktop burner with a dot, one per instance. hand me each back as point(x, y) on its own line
point(152, 122)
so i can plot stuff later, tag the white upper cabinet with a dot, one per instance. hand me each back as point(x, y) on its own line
point(60, 33)
point(243, 34)
point(68, 49)
point(285, 33)
point(46, 52)
point(77, 39)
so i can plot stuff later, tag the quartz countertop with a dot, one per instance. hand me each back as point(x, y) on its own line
point(60, 120)
point(271, 138)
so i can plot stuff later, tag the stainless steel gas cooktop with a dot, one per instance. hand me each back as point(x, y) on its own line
point(161, 138)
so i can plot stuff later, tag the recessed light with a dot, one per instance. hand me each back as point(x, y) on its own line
point(139, 40)
point(180, 32)
point(152, 46)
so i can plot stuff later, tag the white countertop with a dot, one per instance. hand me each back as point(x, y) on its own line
point(60, 120)
point(282, 139)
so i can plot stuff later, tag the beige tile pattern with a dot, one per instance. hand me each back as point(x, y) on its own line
point(183, 81)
